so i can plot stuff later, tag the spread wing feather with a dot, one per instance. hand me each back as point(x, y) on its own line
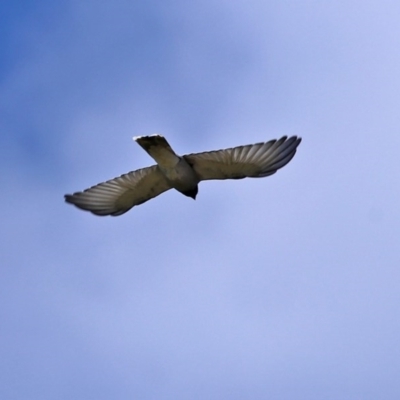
point(255, 160)
point(118, 195)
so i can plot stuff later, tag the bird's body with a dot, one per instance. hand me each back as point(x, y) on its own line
point(182, 177)
point(179, 174)
point(182, 173)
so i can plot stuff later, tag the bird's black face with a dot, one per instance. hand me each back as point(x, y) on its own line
point(191, 192)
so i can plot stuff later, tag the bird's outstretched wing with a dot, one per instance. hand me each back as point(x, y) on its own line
point(119, 195)
point(254, 160)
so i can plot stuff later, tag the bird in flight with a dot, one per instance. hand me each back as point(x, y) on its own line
point(183, 173)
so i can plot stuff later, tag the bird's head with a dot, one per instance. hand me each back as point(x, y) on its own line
point(191, 192)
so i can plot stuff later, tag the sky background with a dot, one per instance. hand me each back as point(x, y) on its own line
point(286, 287)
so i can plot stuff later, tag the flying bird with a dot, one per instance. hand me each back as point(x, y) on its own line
point(183, 173)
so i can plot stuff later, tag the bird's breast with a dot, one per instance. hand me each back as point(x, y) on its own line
point(181, 176)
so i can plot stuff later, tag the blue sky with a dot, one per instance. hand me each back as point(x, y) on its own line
point(282, 288)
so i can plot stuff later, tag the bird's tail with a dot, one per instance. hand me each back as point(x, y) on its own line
point(159, 149)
